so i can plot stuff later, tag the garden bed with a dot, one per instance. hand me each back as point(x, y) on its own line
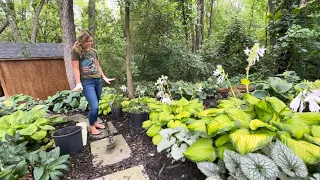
point(157, 165)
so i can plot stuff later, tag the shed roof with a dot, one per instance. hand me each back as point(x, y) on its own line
point(30, 50)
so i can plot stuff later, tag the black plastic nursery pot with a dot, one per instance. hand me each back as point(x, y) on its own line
point(116, 113)
point(69, 139)
point(137, 119)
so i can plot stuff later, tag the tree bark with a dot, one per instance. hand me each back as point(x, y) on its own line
point(10, 13)
point(68, 33)
point(185, 23)
point(92, 17)
point(4, 25)
point(201, 21)
point(211, 19)
point(198, 25)
point(128, 50)
point(36, 22)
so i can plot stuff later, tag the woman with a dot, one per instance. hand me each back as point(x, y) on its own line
point(88, 73)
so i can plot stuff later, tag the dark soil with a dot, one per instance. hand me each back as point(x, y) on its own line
point(157, 165)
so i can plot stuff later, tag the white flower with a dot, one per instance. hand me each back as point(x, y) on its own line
point(200, 89)
point(123, 88)
point(166, 99)
point(261, 51)
point(247, 51)
point(313, 99)
point(296, 103)
point(220, 79)
point(217, 72)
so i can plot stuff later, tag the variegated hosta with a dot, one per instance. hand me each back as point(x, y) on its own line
point(308, 152)
point(201, 150)
point(291, 164)
point(258, 167)
point(245, 141)
point(296, 128)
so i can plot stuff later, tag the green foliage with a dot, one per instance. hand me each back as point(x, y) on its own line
point(64, 101)
point(48, 165)
point(13, 154)
point(137, 105)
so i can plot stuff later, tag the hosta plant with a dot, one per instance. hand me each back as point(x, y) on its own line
point(63, 101)
point(33, 124)
point(48, 165)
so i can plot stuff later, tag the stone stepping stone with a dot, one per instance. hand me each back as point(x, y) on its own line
point(104, 156)
point(134, 173)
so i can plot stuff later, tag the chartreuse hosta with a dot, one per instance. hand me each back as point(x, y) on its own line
point(33, 124)
point(243, 127)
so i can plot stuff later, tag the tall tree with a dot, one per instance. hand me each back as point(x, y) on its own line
point(199, 25)
point(68, 33)
point(92, 17)
point(128, 48)
point(10, 13)
point(36, 21)
point(184, 22)
point(210, 19)
point(4, 25)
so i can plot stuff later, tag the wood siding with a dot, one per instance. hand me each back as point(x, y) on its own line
point(39, 78)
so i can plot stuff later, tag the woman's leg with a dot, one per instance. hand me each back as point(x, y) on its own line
point(89, 91)
point(98, 89)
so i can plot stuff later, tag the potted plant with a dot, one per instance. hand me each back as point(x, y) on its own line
point(116, 107)
point(138, 111)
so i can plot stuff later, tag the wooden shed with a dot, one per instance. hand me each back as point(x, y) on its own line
point(36, 69)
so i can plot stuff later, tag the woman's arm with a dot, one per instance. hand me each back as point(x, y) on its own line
point(76, 73)
point(107, 80)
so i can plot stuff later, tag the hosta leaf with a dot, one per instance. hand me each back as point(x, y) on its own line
point(47, 127)
point(258, 167)
point(256, 123)
point(310, 118)
point(251, 99)
point(165, 143)
point(220, 124)
point(221, 149)
point(264, 111)
point(296, 128)
point(276, 104)
point(236, 114)
point(279, 85)
point(154, 116)
point(222, 140)
point(39, 135)
point(156, 139)
point(32, 128)
point(261, 94)
point(177, 151)
point(315, 131)
point(309, 153)
point(41, 121)
point(153, 130)
point(208, 168)
point(201, 150)
point(245, 142)
point(183, 102)
point(311, 139)
point(198, 126)
point(291, 164)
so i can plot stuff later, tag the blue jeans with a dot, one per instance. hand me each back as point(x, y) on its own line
point(92, 90)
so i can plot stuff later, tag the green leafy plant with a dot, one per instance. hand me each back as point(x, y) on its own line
point(64, 101)
point(33, 124)
point(7, 106)
point(13, 152)
point(116, 101)
point(48, 165)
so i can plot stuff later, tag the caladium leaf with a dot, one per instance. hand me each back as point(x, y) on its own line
point(291, 164)
point(257, 167)
point(201, 150)
point(245, 141)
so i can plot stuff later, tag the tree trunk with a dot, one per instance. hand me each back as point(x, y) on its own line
point(92, 17)
point(128, 51)
point(4, 25)
point(10, 13)
point(68, 33)
point(201, 21)
point(211, 19)
point(198, 25)
point(271, 7)
point(185, 24)
point(36, 22)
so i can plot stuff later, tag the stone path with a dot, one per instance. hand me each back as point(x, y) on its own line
point(104, 156)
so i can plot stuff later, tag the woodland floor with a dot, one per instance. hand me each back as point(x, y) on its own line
point(157, 165)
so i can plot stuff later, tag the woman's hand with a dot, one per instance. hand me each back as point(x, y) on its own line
point(108, 80)
point(78, 87)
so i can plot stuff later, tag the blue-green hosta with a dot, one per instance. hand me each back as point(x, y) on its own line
point(31, 123)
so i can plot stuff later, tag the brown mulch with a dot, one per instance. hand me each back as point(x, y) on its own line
point(157, 165)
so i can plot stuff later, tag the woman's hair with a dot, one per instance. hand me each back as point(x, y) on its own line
point(82, 37)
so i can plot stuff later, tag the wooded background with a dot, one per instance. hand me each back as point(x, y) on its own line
point(184, 39)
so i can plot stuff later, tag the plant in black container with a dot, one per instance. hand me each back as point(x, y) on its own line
point(116, 107)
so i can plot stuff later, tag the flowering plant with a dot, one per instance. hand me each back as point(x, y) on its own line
point(309, 93)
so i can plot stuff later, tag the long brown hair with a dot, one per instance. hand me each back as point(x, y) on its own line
point(82, 37)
